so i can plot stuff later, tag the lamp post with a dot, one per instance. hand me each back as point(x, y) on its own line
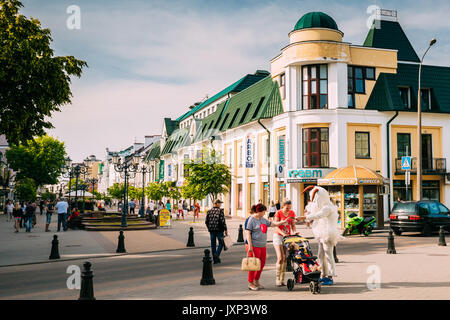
point(419, 128)
point(126, 171)
point(143, 168)
point(74, 170)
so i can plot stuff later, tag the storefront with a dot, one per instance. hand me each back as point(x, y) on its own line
point(300, 179)
point(357, 190)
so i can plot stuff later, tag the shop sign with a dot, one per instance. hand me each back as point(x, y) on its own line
point(249, 152)
point(281, 149)
point(279, 171)
point(169, 170)
point(164, 218)
point(307, 175)
point(161, 170)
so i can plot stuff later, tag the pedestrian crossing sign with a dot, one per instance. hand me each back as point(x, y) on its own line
point(406, 163)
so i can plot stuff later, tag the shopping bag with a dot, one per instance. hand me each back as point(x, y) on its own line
point(251, 264)
point(227, 242)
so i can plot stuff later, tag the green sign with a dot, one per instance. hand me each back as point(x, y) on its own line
point(161, 170)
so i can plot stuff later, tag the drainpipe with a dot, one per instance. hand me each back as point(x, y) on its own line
point(388, 156)
point(268, 162)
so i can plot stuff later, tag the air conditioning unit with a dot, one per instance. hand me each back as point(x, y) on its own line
point(447, 178)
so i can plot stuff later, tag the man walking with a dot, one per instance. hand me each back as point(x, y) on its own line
point(29, 214)
point(61, 208)
point(132, 205)
point(215, 222)
point(9, 210)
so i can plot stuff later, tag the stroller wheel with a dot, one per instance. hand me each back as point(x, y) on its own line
point(312, 287)
point(290, 284)
point(317, 287)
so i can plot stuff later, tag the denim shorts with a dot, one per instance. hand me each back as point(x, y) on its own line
point(49, 218)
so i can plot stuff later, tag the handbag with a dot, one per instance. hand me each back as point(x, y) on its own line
point(251, 264)
point(227, 242)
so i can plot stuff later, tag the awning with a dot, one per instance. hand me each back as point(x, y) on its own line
point(353, 175)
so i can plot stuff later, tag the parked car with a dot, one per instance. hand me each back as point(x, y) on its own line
point(419, 216)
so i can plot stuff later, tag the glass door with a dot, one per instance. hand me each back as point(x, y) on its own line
point(427, 152)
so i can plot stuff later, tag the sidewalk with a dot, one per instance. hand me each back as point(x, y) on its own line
point(34, 247)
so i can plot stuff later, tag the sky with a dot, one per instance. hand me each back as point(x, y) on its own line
point(153, 59)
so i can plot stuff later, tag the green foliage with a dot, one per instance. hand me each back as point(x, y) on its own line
point(48, 196)
point(33, 82)
point(207, 178)
point(155, 191)
point(97, 195)
point(40, 159)
point(116, 191)
point(134, 193)
point(26, 189)
point(81, 184)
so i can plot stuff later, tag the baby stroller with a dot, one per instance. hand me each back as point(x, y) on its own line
point(305, 266)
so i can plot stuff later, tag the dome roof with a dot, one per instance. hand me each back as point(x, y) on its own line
point(316, 20)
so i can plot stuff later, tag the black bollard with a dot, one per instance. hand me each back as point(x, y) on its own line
point(442, 236)
point(87, 285)
point(336, 260)
point(121, 244)
point(207, 274)
point(391, 245)
point(190, 242)
point(54, 254)
point(241, 234)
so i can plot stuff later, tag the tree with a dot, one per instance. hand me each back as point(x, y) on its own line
point(81, 184)
point(33, 82)
point(116, 191)
point(134, 192)
point(40, 159)
point(155, 191)
point(207, 178)
point(48, 196)
point(26, 189)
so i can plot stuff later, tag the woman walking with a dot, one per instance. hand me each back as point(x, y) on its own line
point(29, 214)
point(256, 234)
point(272, 210)
point(17, 214)
point(288, 215)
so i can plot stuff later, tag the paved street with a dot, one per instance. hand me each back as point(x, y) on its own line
point(176, 274)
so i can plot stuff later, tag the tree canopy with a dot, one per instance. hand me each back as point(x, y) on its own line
point(40, 159)
point(33, 82)
point(25, 189)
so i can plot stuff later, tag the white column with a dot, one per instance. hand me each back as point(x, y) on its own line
point(337, 85)
point(257, 161)
point(293, 87)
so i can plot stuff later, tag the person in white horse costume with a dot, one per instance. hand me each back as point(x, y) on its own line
point(324, 217)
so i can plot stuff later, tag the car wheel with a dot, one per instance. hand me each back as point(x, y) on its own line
point(427, 230)
point(397, 232)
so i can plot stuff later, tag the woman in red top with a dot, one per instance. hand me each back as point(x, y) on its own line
point(286, 213)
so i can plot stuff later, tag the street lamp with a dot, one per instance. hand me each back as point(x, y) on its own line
point(73, 170)
point(126, 171)
point(143, 169)
point(419, 128)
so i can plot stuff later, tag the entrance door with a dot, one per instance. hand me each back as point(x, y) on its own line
point(427, 152)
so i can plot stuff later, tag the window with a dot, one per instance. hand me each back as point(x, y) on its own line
point(315, 86)
point(241, 155)
point(265, 150)
point(245, 113)
point(425, 95)
point(258, 107)
point(400, 191)
point(430, 190)
point(234, 118)
point(315, 148)
point(403, 144)
point(405, 96)
point(283, 85)
point(223, 122)
point(240, 196)
point(362, 145)
point(370, 73)
point(356, 82)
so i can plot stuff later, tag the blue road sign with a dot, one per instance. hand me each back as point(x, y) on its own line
point(406, 163)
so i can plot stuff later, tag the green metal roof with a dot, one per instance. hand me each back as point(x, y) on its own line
point(260, 101)
point(178, 139)
point(316, 20)
point(390, 35)
point(171, 125)
point(154, 152)
point(238, 86)
point(385, 95)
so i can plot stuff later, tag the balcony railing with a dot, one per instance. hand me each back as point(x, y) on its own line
point(429, 166)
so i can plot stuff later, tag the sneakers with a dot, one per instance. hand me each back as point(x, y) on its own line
point(326, 281)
